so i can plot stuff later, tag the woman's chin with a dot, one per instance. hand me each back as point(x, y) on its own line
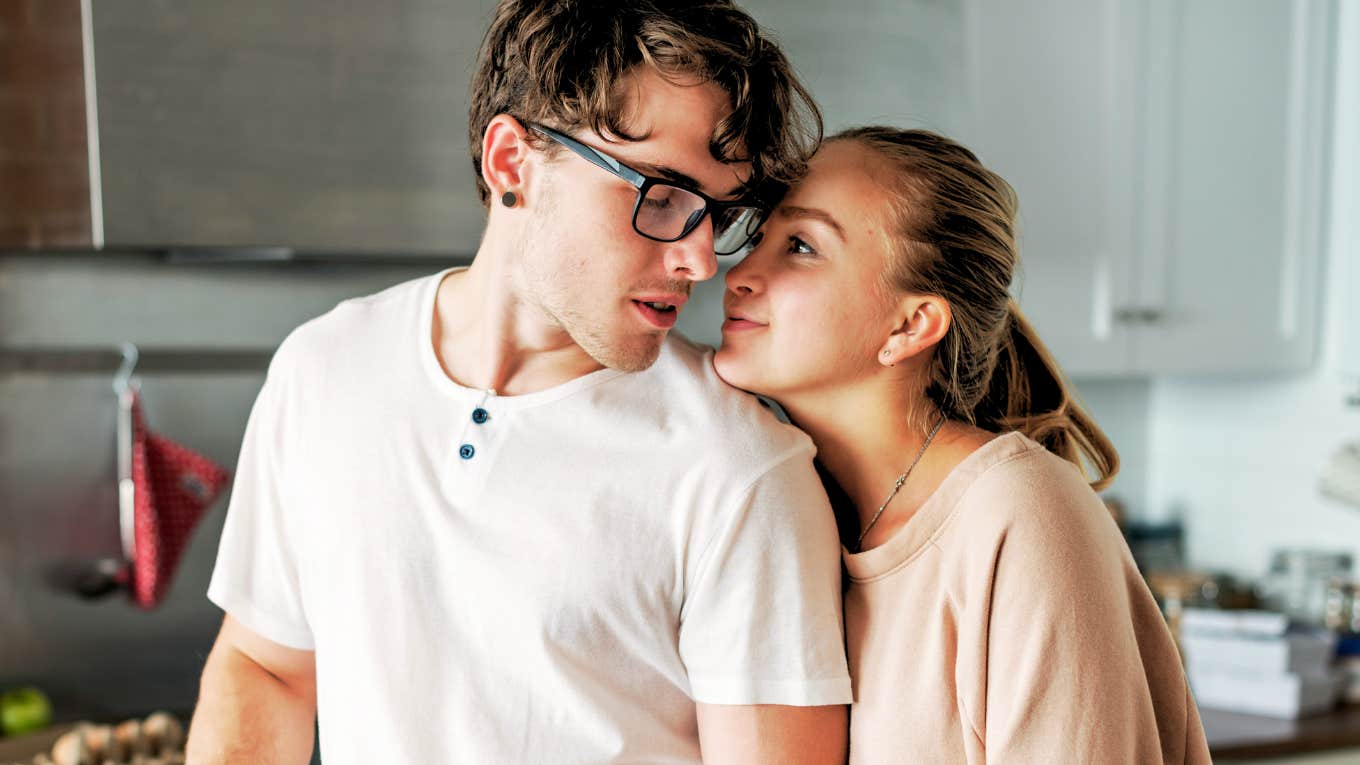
point(739, 371)
point(734, 369)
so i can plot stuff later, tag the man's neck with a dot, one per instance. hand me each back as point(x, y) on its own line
point(486, 337)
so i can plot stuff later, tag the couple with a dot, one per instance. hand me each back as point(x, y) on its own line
point(500, 515)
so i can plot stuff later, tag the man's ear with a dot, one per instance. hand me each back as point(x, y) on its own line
point(505, 150)
point(924, 321)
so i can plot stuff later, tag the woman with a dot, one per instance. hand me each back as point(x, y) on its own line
point(993, 612)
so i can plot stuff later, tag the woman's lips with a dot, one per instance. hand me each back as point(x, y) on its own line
point(740, 324)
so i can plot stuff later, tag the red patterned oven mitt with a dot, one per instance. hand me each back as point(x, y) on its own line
point(173, 487)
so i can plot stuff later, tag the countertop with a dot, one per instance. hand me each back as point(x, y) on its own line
point(1237, 735)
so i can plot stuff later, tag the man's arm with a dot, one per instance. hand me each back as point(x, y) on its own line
point(773, 733)
point(256, 704)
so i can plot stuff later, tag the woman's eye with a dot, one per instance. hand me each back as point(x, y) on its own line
point(799, 247)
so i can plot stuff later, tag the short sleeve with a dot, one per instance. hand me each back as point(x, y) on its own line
point(256, 579)
point(761, 623)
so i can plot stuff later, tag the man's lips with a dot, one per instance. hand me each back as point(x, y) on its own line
point(659, 310)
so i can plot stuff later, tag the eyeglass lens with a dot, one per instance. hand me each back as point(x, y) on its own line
point(669, 212)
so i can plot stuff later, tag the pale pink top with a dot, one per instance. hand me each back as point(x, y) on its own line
point(1006, 623)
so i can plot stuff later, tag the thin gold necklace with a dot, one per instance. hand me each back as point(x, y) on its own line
point(901, 479)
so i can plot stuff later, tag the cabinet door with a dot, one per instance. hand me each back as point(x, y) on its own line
point(319, 125)
point(1237, 123)
point(1055, 86)
point(1345, 235)
point(875, 62)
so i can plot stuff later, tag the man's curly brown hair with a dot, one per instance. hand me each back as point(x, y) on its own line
point(560, 62)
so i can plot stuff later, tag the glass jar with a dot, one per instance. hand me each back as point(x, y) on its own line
point(1343, 606)
point(1298, 581)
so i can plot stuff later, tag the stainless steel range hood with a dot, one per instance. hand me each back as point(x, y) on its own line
point(253, 127)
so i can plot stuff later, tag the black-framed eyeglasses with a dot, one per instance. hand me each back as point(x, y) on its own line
point(665, 212)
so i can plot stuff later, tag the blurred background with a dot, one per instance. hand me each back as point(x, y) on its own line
point(197, 178)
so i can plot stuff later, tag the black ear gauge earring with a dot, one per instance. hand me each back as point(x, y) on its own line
point(509, 199)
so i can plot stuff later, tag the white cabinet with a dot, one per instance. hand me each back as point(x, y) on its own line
point(1232, 230)
point(1054, 112)
point(1345, 203)
point(1171, 165)
point(890, 62)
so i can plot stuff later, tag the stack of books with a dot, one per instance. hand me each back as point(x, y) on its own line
point(1256, 662)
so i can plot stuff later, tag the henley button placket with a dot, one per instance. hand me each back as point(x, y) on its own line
point(479, 416)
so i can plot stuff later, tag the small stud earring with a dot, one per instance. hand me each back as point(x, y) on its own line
point(509, 199)
point(887, 352)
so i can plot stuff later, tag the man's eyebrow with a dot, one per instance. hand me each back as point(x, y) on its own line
point(684, 181)
point(793, 211)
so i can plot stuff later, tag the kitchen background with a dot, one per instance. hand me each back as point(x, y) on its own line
point(199, 177)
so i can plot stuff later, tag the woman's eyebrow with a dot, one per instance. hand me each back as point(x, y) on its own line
point(822, 216)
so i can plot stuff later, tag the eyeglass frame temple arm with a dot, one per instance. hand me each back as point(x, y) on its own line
point(589, 154)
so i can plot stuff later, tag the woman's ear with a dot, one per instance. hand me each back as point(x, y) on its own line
point(505, 151)
point(924, 320)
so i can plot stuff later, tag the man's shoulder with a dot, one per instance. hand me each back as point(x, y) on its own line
point(355, 326)
point(736, 428)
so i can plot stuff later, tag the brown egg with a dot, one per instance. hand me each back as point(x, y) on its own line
point(129, 740)
point(164, 733)
point(71, 748)
point(99, 740)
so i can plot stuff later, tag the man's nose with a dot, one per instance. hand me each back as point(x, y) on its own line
point(692, 257)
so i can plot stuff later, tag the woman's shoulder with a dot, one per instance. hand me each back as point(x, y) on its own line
point(1012, 485)
point(1028, 516)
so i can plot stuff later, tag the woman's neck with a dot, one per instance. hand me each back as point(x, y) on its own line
point(866, 439)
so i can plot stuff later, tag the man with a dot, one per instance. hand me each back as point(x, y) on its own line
point(497, 515)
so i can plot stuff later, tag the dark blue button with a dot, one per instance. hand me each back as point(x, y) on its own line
point(466, 451)
point(479, 415)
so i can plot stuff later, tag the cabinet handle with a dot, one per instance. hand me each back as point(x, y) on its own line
point(1138, 315)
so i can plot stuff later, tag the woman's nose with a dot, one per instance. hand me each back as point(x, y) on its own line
point(744, 277)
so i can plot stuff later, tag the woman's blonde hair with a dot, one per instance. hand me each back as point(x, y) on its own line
point(953, 236)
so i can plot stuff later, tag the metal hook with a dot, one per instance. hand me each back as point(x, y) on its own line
point(122, 382)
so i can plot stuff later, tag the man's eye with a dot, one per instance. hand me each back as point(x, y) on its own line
point(660, 197)
point(799, 247)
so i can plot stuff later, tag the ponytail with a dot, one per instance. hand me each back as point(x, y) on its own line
point(1027, 393)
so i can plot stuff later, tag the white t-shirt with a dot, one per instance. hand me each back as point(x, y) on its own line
point(558, 581)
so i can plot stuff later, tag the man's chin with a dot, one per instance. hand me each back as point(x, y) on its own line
point(632, 355)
